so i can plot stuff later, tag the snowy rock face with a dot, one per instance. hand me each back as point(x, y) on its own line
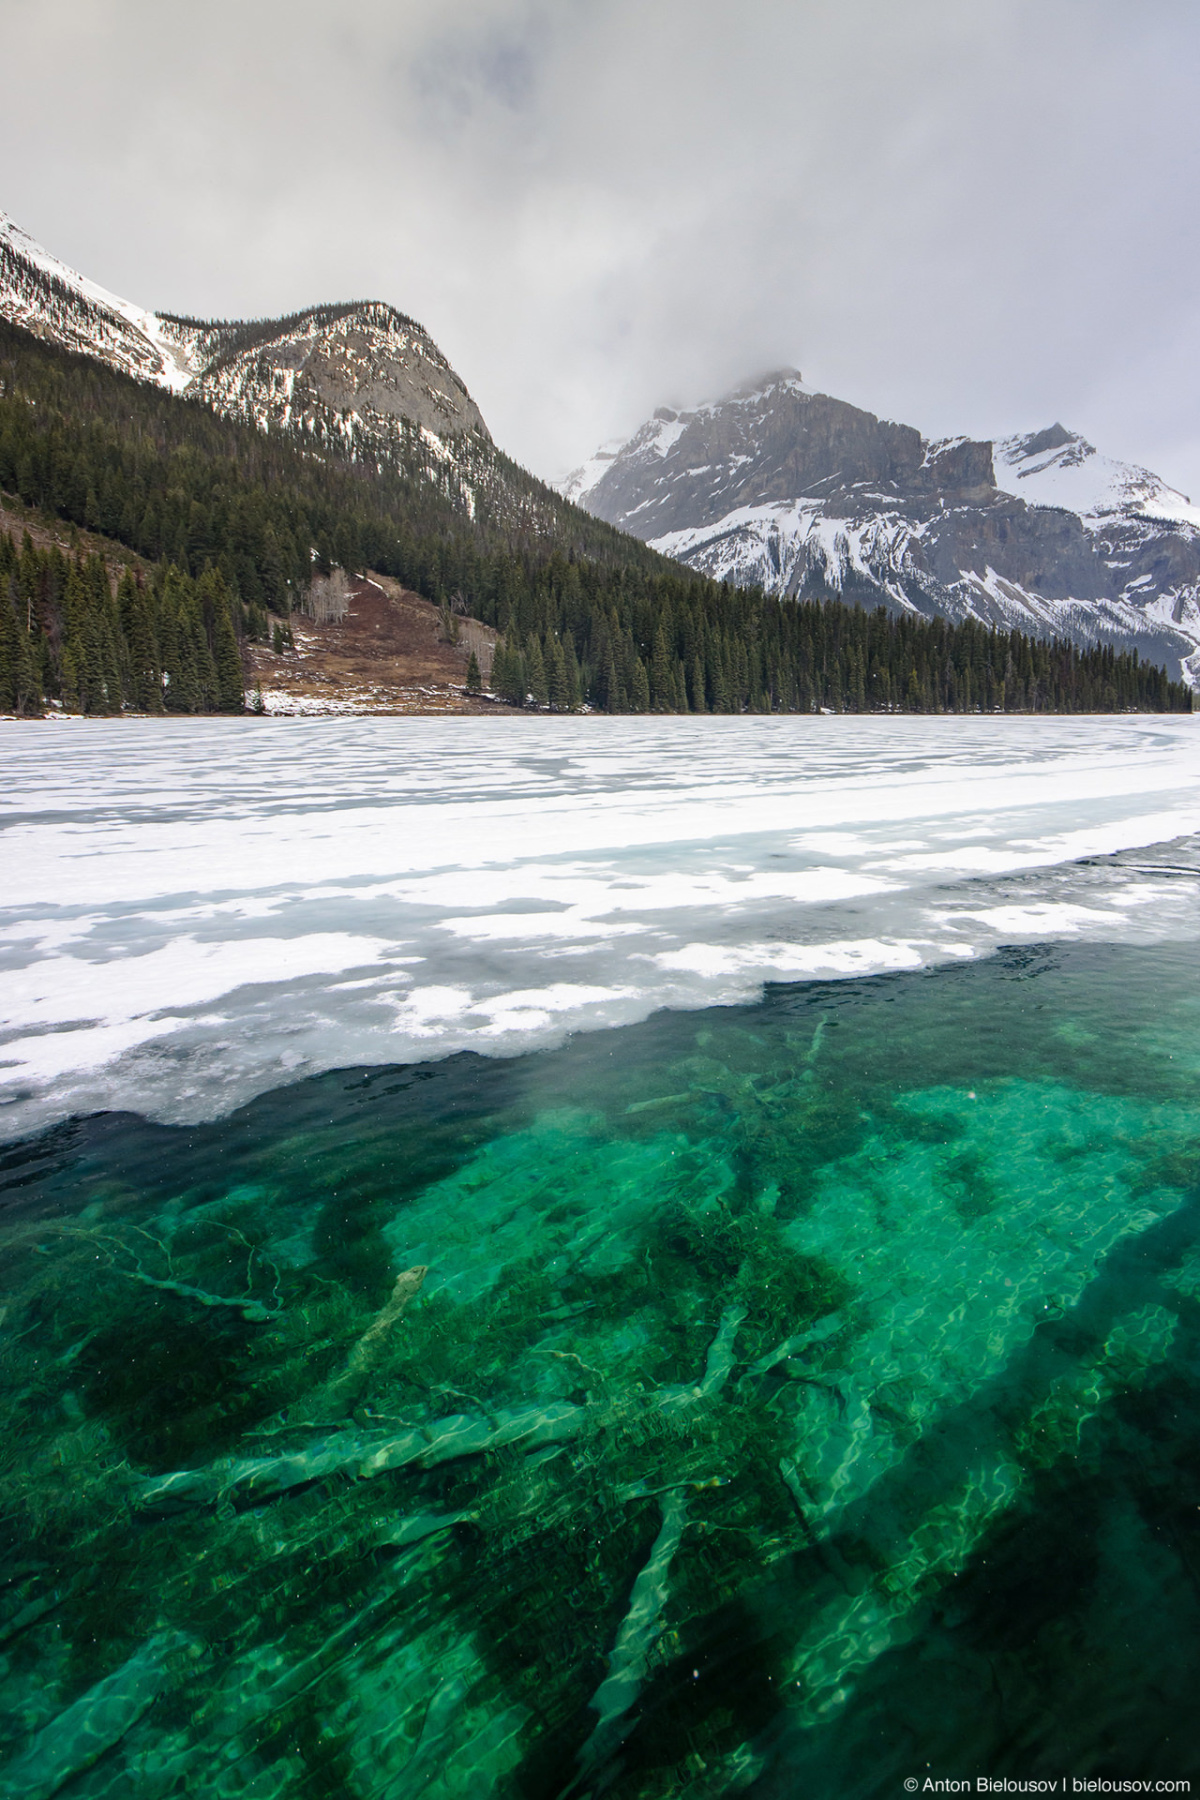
point(800, 493)
point(361, 376)
point(55, 303)
point(350, 372)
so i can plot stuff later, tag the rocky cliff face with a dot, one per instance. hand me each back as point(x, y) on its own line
point(358, 373)
point(802, 493)
point(361, 376)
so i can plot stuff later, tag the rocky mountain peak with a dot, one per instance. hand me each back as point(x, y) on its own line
point(360, 373)
point(357, 370)
point(786, 488)
point(1054, 437)
point(769, 440)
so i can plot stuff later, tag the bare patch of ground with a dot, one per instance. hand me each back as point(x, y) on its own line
point(388, 655)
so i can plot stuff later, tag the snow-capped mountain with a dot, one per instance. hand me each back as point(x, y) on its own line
point(1057, 467)
point(360, 375)
point(801, 493)
point(57, 303)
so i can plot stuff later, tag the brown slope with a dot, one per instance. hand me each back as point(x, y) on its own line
point(388, 655)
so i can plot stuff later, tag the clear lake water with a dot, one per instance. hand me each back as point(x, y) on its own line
point(786, 1398)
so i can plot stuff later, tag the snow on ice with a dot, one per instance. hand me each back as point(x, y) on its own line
point(195, 911)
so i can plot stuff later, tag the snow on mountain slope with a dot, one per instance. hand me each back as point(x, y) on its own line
point(56, 302)
point(786, 540)
point(584, 478)
point(802, 494)
point(1057, 467)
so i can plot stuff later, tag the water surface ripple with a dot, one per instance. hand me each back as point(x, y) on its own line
point(794, 1398)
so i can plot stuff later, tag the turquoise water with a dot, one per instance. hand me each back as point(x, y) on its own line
point(780, 1399)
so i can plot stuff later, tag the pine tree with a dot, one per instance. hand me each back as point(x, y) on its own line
point(20, 690)
point(145, 676)
point(559, 687)
point(230, 681)
point(535, 673)
point(474, 683)
point(574, 679)
point(717, 693)
point(206, 667)
point(662, 674)
point(183, 689)
point(518, 682)
point(611, 697)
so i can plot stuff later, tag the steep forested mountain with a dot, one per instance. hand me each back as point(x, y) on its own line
point(359, 379)
point(169, 478)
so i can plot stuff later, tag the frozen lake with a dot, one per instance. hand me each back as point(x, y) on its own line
point(195, 912)
point(774, 1395)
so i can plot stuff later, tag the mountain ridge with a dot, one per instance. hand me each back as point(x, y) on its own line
point(781, 486)
point(241, 458)
point(235, 521)
point(336, 354)
point(358, 377)
point(358, 380)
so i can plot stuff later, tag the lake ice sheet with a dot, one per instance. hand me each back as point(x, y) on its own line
point(761, 1400)
point(196, 911)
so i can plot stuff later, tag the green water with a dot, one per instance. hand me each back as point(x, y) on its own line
point(797, 1398)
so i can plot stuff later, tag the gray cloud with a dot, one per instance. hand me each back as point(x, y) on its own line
point(974, 218)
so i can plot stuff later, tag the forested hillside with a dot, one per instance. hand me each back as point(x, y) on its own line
point(169, 644)
point(173, 480)
point(231, 522)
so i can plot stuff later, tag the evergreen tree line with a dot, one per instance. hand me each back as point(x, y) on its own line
point(172, 480)
point(587, 615)
point(668, 644)
point(164, 645)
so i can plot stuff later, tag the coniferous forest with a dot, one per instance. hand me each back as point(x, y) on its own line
point(226, 525)
point(169, 644)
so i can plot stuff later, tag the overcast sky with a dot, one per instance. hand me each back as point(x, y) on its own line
point(971, 215)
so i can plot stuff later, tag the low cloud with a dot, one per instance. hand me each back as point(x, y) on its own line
point(971, 218)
